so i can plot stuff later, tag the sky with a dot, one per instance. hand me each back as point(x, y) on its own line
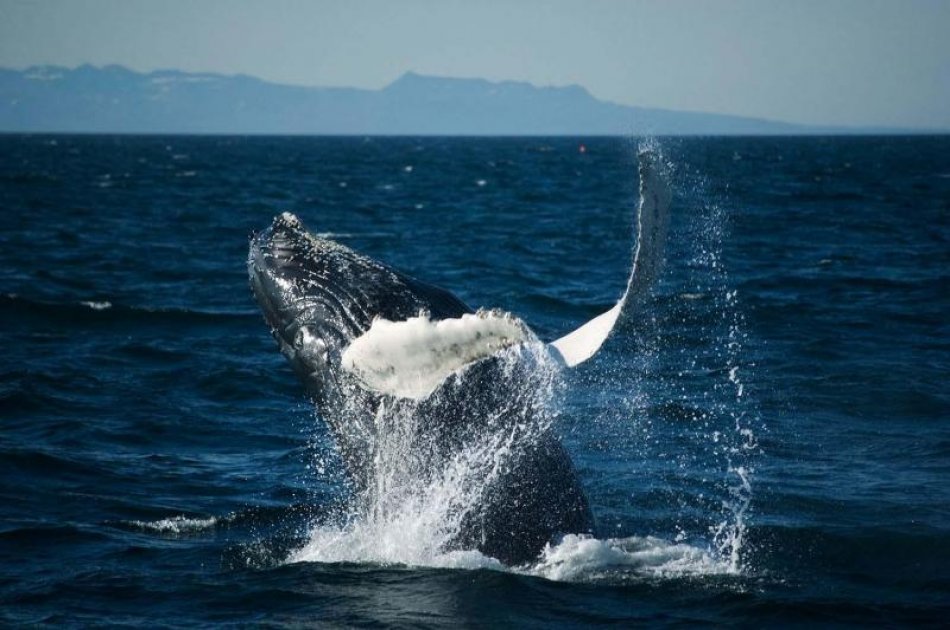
point(828, 62)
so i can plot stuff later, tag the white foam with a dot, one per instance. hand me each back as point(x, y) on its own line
point(98, 306)
point(363, 543)
point(177, 525)
point(410, 358)
point(579, 558)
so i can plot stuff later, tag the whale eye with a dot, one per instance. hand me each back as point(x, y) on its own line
point(301, 338)
point(310, 346)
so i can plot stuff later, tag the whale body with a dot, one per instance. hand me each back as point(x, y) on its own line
point(373, 345)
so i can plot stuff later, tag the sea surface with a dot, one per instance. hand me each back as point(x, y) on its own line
point(769, 444)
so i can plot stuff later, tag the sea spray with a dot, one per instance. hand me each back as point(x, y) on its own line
point(736, 446)
point(695, 449)
point(703, 369)
point(674, 412)
point(420, 495)
point(587, 559)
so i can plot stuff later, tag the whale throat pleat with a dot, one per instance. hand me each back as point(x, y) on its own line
point(410, 358)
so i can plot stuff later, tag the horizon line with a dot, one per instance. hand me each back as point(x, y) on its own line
point(909, 133)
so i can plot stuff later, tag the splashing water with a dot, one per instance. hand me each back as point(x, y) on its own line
point(705, 431)
point(416, 503)
point(737, 444)
point(587, 559)
point(677, 408)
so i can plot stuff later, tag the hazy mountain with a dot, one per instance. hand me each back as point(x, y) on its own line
point(116, 99)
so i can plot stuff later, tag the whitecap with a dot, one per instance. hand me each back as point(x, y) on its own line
point(177, 525)
point(98, 306)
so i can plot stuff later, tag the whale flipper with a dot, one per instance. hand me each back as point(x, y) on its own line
point(410, 358)
point(652, 221)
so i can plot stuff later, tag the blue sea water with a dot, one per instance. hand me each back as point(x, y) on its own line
point(769, 445)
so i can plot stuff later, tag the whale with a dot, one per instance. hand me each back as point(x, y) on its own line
point(375, 346)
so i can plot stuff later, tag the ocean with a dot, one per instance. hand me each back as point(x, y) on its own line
point(768, 445)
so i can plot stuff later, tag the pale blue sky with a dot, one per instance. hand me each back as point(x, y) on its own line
point(853, 62)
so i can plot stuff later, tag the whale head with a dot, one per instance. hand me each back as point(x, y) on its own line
point(295, 278)
point(318, 296)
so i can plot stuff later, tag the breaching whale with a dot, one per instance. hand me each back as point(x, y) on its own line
point(367, 339)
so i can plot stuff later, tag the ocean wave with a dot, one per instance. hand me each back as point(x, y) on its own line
point(105, 310)
point(175, 525)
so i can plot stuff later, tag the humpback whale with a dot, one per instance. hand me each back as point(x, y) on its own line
point(375, 346)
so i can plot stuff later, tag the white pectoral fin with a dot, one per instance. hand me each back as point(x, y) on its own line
point(410, 358)
point(581, 344)
point(652, 221)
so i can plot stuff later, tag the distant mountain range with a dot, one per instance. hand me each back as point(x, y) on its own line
point(114, 99)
